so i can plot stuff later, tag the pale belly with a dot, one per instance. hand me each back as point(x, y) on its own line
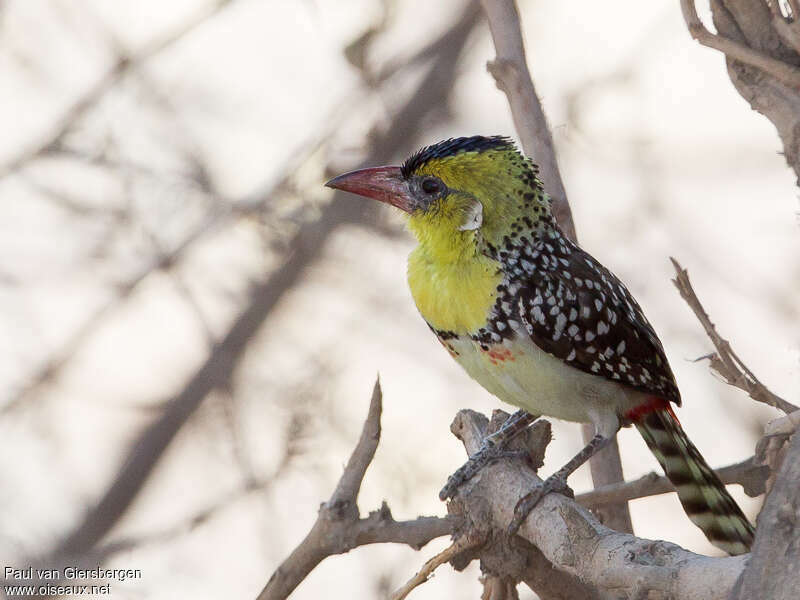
point(520, 373)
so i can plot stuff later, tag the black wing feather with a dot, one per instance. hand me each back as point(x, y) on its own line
point(577, 310)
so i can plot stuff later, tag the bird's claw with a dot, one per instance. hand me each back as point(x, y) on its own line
point(529, 501)
point(494, 447)
point(489, 453)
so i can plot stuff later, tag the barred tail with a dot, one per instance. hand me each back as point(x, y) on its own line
point(702, 494)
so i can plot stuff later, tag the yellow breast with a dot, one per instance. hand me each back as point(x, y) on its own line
point(453, 296)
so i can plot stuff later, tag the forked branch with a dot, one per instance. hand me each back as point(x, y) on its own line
point(784, 72)
point(725, 361)
point(338, 528)
point(574, 543)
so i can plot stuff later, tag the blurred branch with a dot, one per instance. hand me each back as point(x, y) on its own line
point(606, 469)
point(103, 552)
point(145, 452)
point(782, 71)
point(510, 71)
point(339, 529)
point(221, 214)
point(750, 475)
point(252, 484)
point(725, 361)
point(441, 74)
point(123, 64)
point(73, 204)
point(434, 48)
point(305, 248)
point(55, 363)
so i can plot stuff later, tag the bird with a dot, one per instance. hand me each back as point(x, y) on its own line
point(535, 319)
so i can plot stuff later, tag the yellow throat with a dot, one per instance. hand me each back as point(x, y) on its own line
point(454, 286)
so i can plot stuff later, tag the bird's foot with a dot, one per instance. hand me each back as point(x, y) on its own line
point(486, 455)
point(554, 483)
point(494, 448)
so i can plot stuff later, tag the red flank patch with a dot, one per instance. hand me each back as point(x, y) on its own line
point(499, 354)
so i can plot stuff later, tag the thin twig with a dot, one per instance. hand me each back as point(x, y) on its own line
point(783, 72)
point(338, 528)
point(123, 64)
point(350, 482)
point(725, 361)
point(463, 543)
point(748, 474)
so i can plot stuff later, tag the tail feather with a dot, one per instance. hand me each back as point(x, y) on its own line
point(703, 496)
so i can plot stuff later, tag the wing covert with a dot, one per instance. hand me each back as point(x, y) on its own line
point(577, 310)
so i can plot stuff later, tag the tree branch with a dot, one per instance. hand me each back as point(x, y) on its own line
point(498, 560)
point(772, 569)
point(749, 24)
point(785, 425)
point(510, 71)
point(789, 30)
point(725, 361)
point(606, 469)
point(338, 528)
point(350, 483)
point(576, 544)
point(748, 473)
point(783, 72)
point(773, 447)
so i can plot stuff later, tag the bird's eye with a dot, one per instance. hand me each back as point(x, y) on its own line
point(431, 185)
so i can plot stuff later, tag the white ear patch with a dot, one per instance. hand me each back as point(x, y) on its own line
point(473, 217)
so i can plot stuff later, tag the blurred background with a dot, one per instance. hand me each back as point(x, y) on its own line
point(191, 324)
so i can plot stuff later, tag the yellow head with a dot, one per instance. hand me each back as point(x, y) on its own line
point(467, 199)
point(458, 192)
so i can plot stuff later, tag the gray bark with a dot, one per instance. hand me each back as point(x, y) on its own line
point(774, 568)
